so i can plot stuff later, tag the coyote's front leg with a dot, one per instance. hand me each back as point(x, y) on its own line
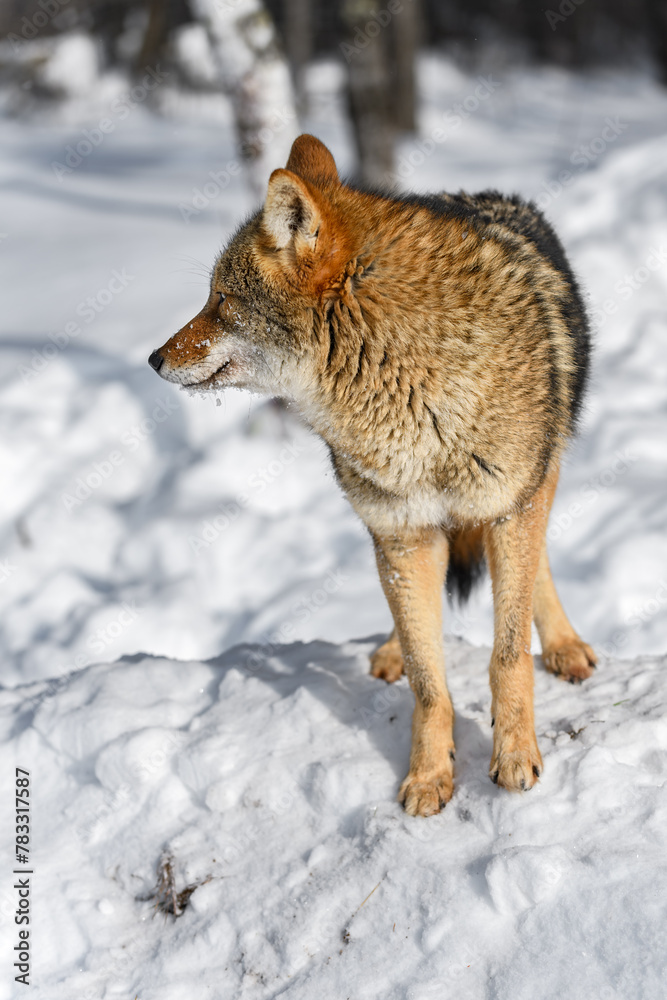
point(412, 570)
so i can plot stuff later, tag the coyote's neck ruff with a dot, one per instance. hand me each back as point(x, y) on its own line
point(439, 346)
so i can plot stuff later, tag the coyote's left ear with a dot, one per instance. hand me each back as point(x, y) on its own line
point(309, 158)
point(306, 228)
point(291, 213)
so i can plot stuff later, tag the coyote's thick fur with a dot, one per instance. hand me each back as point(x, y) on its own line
point(439, 345)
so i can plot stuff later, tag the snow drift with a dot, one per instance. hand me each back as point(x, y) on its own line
point(269, 776)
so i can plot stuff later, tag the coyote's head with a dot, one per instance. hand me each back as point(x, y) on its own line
point(256, 330)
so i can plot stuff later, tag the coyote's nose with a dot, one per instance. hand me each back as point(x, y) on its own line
point(155, 361)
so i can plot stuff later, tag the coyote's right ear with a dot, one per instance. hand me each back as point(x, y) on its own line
point(291, 212)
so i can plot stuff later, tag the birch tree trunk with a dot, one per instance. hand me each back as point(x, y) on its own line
point(254, 72)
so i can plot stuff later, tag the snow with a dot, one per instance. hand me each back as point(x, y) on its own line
point(269, 774)
point(73, 67)
point(143, 532)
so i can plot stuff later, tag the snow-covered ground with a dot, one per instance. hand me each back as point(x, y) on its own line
point(270, 777)
point(137, 520)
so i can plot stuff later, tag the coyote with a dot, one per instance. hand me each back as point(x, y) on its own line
point(439, 345)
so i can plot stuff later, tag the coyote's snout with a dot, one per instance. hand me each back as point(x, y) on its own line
point(439, 345)
point(206, 353)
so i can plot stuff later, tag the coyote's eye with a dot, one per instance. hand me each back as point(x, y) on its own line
point(222, 298)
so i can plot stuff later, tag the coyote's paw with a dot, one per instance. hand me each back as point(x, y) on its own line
point(574, 661)
point(387, 662)
point(424, 795)
point(516, 763)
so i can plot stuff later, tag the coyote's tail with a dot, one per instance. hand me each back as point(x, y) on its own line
point(466, 564)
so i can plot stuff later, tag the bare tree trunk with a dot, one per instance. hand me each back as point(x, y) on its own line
point(656, 11)
point(369, 90)
point(298, 44)
point(406, 29)
point(254, 72)
point(9, 17)
point(104, 20)
point(155, 35)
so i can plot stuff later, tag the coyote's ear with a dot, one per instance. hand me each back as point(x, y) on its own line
point(290, 210)
point(311, 160)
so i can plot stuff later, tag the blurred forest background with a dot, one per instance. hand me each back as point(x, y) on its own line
point(256, 53)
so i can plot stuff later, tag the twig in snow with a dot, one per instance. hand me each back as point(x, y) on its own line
point(346, 933)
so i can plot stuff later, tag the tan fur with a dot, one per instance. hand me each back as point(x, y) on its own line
point(436, 346)
point(387, 661)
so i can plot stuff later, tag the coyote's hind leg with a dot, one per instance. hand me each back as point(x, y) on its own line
point(563, 652)
point(387, 661)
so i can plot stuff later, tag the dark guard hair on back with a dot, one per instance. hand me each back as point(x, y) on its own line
point(467, 566)
point(525, 218)
point(489, 208)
